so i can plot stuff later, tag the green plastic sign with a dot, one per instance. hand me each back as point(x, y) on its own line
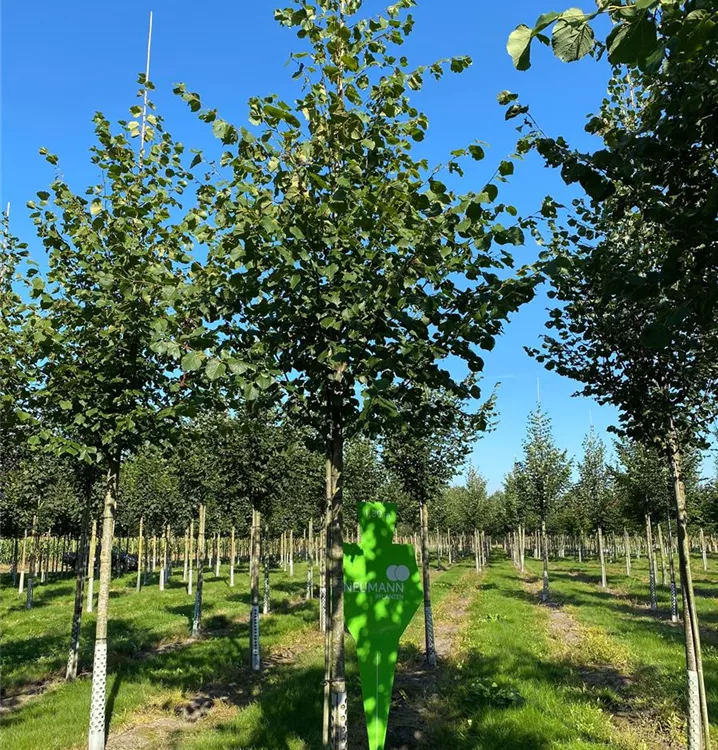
point(382, 591)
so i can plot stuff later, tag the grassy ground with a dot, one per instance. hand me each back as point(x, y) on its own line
point(653, 645)
point(511, 678)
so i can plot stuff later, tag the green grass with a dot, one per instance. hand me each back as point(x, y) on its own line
point(507, 684)
point(34, 646)
point(654, 645)
point(507, 689)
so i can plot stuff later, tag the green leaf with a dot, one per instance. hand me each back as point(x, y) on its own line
point(215, 369)
point(476, 152)
point(65, 405)
point(572, 36)
point(631, 42)
point(95, 207)
point(192, 361)
point(519, 47)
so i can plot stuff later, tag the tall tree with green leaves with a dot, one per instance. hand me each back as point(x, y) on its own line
point(653, 188)
point(343, 270)
point(663, 383)
point(118, 262)
point(542, 476)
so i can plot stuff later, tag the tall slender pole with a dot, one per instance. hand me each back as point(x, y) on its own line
point(144, 98)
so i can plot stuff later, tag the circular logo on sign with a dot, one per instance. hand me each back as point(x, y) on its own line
point(397, 572)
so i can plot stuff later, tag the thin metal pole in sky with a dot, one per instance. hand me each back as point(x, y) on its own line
point(538, 391)
point(144, 101)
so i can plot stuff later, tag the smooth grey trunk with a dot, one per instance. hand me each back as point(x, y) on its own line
point(627, 550)
point(34, 548)
point(429, 639)
point(73, 655)
point(694, 657)
point(254, 651)
point(335, 698)
point(96, 736)
point(310, 562)
point(662, 554)
point(703, 549)
point(545, 591)
point(217, 559)
point(672, 569)
point(197, 618)
point(651, 568)
point(602, 558)
point(291, 553)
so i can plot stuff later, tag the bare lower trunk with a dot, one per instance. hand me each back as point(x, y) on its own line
point(80, 562)
point(34, 549)
point(627, 550)
point(694, 658)
point(429, 640)
point(254, 653)
point(197, 618)
point(651, 567)
point(96, 738)
point(21, 586)
point(672, 569)
point(337, 698)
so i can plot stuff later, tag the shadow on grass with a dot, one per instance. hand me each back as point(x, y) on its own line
point(640, 620)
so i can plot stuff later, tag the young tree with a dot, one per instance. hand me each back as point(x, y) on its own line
point(594, 492)
point(424, 455)
point(542, 477)
point(117, 264)
point(342, 270)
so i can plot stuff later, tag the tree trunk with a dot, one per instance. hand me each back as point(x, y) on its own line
point(21, 586)
point(190, 557)
point(217, 559)
point(291, 553)
point(267, 602)
point(197, 618)
point(254, 653)
point(651, 568)
point(310, 561)
point(674, 595)
point(96, 740)
point(185, 556)
point(73, 655)
point(34, 542)
point(602, 558)
point(335, 579)
point(661, 553)
point(627, 550)
point(91, 567)
point(694, 658)
point(429, 640)
point(703, 549)
point(545, 591)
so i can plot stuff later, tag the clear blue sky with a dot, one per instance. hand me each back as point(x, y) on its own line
point(61, 62)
